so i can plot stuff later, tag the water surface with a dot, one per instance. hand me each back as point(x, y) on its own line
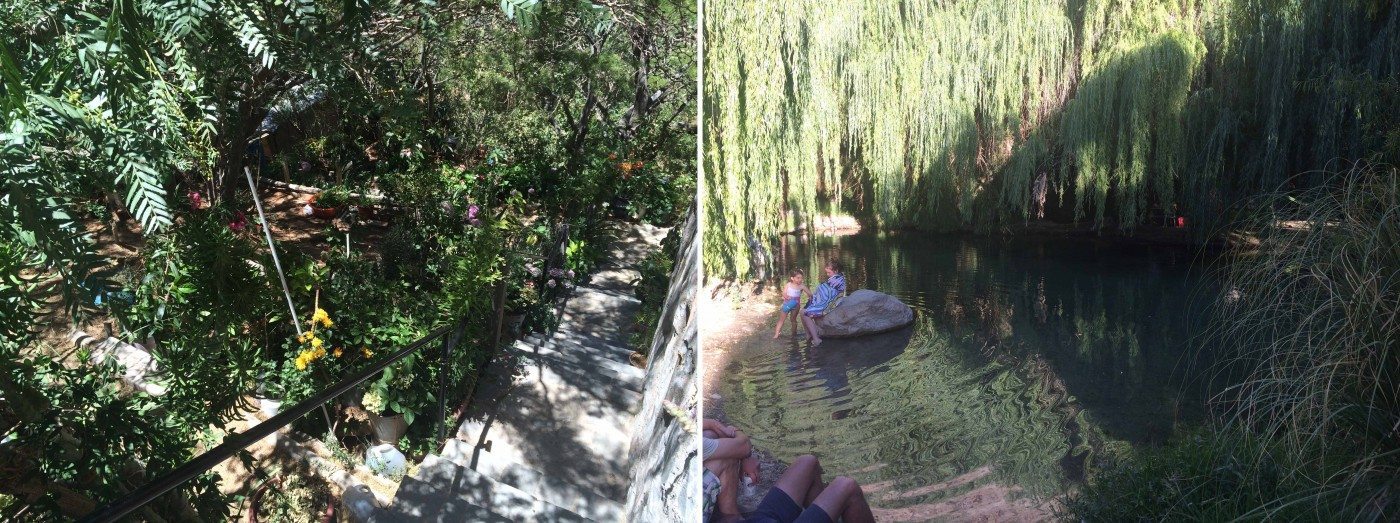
point(1031, 359)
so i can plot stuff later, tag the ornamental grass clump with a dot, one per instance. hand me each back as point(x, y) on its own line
point(1313, 322)
point(1308, 427)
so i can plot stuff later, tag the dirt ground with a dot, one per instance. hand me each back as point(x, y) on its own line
point(734, 312)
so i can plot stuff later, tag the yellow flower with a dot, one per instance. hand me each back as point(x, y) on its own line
point(303, 337)
point(317, 342)
point(337, 352)
point(304, 359)
point(322, 318)
point(366, 351)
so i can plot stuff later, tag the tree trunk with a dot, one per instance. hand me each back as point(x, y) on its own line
point(233, 143)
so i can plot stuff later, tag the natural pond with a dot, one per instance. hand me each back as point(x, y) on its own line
point(1030, 360)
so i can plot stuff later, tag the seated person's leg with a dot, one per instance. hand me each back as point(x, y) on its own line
point(728, 500)
point(813, 332)
point(842, 498)
point(785, 501)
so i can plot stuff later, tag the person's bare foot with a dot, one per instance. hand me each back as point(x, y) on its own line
point(775, 335)
point(750, 469)
point(815, 341)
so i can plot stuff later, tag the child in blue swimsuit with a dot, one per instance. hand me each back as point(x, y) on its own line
point(792, 295)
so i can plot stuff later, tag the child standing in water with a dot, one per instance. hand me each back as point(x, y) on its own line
point(792, 295)
point(834, 288)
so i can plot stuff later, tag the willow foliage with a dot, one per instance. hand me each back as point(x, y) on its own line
point(973, 114)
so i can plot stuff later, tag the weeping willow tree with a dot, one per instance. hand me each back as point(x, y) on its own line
point(944, 115)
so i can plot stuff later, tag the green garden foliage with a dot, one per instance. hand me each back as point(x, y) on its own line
point(477, 130)
point(977, 114)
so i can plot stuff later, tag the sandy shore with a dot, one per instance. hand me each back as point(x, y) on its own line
point(735, 312)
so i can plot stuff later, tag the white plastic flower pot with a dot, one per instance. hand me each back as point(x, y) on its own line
point(269, 406)
point(386, 461)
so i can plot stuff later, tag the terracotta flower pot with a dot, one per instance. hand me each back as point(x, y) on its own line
point(325, 213)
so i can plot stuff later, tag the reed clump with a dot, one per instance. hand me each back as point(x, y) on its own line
point(1310, 428)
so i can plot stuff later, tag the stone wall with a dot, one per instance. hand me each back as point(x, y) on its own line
point(665, 451)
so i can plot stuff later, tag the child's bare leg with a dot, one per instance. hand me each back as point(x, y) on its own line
point(811, 329)
point(779, 329)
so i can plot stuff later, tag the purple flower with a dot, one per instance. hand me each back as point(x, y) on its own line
point(571, 273)
point(471, 212)
point(551, 283)
point(556, 272)
point(531, 191)
point(305, 166)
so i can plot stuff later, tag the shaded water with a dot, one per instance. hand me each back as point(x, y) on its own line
point(1029, 361)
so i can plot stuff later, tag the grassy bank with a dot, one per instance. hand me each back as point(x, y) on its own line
point(1312, 430)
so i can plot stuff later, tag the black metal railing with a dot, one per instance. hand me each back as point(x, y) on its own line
point(450, 335)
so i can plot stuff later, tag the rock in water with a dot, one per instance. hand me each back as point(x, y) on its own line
point(865, 312)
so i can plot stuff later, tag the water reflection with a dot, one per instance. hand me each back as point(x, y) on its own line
point(1029, 358)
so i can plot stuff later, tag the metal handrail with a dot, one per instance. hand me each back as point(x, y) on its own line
point(234, 443)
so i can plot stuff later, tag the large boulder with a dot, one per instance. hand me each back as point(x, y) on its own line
point(865, 312)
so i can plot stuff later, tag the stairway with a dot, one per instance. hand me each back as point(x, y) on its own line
point(550, 442)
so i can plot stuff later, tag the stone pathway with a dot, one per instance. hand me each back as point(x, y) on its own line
point(550, 442)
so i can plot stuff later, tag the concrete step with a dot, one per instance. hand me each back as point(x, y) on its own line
point(570, 426)
point(626, 376)
point(581, 345)
point(590, 385)
point(621, 297)
point(577, 498)
point(617, 281)
point(565, 340)
point(445, 491)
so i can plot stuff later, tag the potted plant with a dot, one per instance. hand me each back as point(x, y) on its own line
point(269, 396)
point(388, 426)
point(328, 203)
point(393, 401)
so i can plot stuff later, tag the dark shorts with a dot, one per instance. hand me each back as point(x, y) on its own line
point(777, 507)
point(789, 306)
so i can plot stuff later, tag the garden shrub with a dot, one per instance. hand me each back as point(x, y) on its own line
point(652, 288)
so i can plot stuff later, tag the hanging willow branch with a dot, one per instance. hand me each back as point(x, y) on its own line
point(973, 114)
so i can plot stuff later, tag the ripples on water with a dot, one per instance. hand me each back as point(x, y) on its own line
point(1028, 361)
